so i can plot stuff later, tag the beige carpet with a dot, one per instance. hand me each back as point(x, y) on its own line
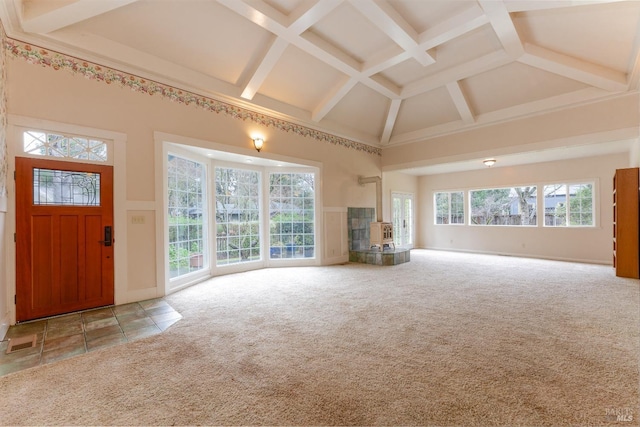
point(447, 339)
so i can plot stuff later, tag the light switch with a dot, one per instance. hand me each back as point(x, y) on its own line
point(137, 219)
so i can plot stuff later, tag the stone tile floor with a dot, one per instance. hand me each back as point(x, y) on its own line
point(69, 335)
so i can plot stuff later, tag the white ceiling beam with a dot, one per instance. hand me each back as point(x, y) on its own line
point(434, 36)
point(460, 101)
point(392, 116)
point(69, 14)
point(334, 96)
point(310, 13)
point(458, 72)
point(304, 17)
point(456, 26)
point(573, 68)
point(529, 5)
point(523, 110)
point(266, 65)
point(503, 26)
point(260, 14)
point(388, 20)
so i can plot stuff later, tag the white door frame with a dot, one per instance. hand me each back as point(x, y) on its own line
point(412, 228)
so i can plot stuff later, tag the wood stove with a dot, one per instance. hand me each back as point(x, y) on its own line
point(381, 235)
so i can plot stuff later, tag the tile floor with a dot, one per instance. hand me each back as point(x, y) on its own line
point(69, 335)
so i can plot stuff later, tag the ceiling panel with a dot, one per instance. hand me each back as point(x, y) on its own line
point(423, 18)
point(603, 34)
point(289, 79)
point(512, 85)
point(425, 110)
point(362, 110)
point(197, 34)
point(346, 29)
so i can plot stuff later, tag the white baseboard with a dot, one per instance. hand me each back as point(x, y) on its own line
point(138, 295)
point(551, 258)
point(335, 260)
point(4, 326)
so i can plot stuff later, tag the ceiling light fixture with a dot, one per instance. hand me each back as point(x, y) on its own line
point(258, 143)
point(489, 162)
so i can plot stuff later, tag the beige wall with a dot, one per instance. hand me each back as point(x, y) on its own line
point(59, 96)
point(581, 244)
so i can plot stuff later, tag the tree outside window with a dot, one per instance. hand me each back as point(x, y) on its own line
point(569, 205)
point(504, 206)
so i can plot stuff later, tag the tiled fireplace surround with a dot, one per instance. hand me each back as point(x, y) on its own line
point(358, 223)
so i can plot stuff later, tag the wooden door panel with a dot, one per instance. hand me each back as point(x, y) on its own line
point(61, 266)
point(42, 265)
point(69, 260)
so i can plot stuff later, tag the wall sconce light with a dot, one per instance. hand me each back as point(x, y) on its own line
point(258, 143)
point(489, 162)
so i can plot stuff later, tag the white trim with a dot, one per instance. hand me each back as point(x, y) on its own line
point(4, 203)
point(5, 322)
point(265, 163)
point(512, 254)
point(412, 196)
point(16, 124)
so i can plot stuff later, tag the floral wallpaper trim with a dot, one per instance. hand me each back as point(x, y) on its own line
point(58, 61)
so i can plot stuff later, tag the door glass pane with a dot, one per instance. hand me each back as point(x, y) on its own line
point(291, 213)
point(187, 216)
point(402, 218)
point(66, 188)
point(237, 216)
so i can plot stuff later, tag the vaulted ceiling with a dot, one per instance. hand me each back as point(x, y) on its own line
point(382, 72)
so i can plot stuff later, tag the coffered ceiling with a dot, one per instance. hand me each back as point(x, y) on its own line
point(382, 72)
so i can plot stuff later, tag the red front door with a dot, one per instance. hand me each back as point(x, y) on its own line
point(64, 237)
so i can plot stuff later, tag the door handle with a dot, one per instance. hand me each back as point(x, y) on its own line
point(108, 236)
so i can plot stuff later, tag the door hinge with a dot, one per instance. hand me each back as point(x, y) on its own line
point(14, 237)
point(14, 175)
point(15, 299)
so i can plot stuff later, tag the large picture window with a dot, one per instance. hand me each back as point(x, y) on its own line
point(504, 206)
point(568, 205)
point(237, 216)
point(449, 207)
point(186, 216)
point(291, 214)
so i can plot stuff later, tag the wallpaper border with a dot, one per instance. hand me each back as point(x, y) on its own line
point(58, 61)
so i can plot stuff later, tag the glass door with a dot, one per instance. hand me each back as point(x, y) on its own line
point(402, 218)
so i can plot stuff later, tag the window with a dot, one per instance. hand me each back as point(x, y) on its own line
point(64, 146)
point(449, 207)
point(237, 216)
point(186, 216)
point(291, 215)
point(56, 187)
point(568, 205)
point(504, 206)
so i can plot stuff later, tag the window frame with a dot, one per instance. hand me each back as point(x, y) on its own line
point(512, 187)
point(260, 186)
point(313, 235)
point(449, 206)
point(594, 204)
point(177, 281)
